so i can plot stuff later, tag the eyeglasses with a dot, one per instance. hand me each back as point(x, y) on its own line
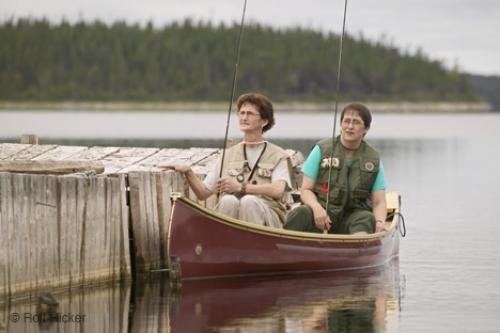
point(247, 113)
point(354, 122)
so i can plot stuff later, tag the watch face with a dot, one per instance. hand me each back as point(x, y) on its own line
point(240, 178)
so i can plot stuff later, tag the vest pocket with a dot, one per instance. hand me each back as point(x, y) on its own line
point(264, 172)
point(367, 179)
point(368, 173)
point(337, 196)
point(360, 194)
point(234, 172)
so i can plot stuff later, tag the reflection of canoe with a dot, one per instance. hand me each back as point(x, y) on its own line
point(203, 243)
point(264, 302)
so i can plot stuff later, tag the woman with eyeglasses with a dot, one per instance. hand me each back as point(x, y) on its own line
point(352, 178)
point(255, 174)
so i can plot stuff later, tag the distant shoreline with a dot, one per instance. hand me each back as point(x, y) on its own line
point(377, 107)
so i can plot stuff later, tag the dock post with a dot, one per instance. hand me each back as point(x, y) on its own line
point(31, 139)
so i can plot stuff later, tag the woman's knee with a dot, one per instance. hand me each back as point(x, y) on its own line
point(361, 221)
point(228, 205)
point(250, 202)
point(300, 218)
point(229, 199)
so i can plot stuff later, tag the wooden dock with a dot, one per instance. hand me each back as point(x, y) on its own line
point(60, 231)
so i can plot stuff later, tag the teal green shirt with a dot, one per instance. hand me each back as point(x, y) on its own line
point(310, 168)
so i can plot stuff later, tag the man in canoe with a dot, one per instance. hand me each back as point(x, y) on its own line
point(356, 202)
point(256, 173)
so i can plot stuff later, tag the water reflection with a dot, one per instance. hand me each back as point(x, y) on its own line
point(90, 309)
point(360, 301)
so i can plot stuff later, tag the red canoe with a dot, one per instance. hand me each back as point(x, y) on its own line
point(205, 244)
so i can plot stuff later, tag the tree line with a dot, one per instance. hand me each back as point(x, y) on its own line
point(194, 61)
point(486, 87)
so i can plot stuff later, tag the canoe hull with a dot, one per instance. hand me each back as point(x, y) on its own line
point(205, 244)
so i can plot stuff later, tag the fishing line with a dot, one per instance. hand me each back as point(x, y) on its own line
point(235, 74)
point(337, 92)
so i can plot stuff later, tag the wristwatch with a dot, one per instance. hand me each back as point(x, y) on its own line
point(243, 189)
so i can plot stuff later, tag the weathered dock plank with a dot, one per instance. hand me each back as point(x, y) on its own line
point(9, 149)
point(122, 251)
point(32, 152)
point(144, 218)
point(69, 222)
point(19, 234)
point(94, 153)
point(44, 214)
point(60, 153)
point(50, 166)
point(4, 233)
point(5, 210)
point(150, 163)
point(126, 157)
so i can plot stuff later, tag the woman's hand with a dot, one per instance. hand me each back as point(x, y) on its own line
point(202, 193)
point(228, 185)
point(321, 218)
point(380, 226)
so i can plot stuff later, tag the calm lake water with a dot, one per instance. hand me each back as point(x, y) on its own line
point(446, 168)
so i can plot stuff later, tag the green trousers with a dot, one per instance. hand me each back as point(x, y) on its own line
point(302, 219)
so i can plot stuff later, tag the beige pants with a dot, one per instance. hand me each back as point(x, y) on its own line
point(249, 208)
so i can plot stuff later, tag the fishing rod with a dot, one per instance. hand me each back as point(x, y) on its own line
point(235, 74)
point(337, 93)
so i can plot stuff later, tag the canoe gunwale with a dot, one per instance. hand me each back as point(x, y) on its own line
point(284, 233)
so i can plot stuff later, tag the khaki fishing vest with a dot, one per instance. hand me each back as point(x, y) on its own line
point(350, 186)
point(235, 164)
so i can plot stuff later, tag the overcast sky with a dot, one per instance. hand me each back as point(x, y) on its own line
point(458, 32)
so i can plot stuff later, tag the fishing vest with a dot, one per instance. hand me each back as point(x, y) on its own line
point(350, 186)
point(236, 166)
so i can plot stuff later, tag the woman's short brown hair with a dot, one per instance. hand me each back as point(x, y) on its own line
point(262, 103)
point(362, 110)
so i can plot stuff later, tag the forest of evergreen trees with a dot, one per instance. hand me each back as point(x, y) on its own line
point(192, 61)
